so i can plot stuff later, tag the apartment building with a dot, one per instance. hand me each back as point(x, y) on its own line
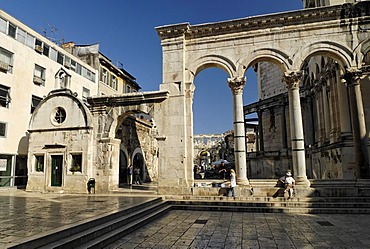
point(113, 79)
point(30, 67)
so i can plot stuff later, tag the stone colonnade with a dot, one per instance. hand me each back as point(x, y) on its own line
point(286, 39)
point(296, 125)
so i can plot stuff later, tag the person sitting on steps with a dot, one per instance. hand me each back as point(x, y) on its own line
point(289, 183)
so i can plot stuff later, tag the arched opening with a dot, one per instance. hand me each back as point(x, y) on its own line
point(139, 148)
point(123, 164)
point(212, 122)
point(138, 164)
point(266, 116)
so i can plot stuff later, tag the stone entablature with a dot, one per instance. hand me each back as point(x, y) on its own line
point(260, 23)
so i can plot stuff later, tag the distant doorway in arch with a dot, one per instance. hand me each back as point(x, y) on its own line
point(139, 162)
point(122, 169)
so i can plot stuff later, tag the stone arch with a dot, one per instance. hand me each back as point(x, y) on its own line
point(275, 56)
point(362, 50)
point(115, 116)
point(209, 61)
point(342, 54)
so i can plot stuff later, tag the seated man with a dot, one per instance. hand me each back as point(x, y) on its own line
point(289, 183)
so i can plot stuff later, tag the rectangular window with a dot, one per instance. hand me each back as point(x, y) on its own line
point(46, 49)
point(78, 69)
point(3, 25)
point(76, 163)
point(12, 30)
point(21, 36)
point(39, 163)
point(6, 61)
point(53, 54)
point(4, 96)
point(85, 93)
point(114, 82)
point(39, 75)
point(30, 42)
point(2, 129)
point(60, 58)
point(67, 62)
point(73, 65)
point(34, 102)
point(104, 75)
point(128, 89)
point(38, 46)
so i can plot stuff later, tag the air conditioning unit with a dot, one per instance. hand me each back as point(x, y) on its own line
point(38, 80)
point(4, 67)
point(38, 48)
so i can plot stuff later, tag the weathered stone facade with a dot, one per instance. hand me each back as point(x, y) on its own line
point(71, 143)
point(288, 40)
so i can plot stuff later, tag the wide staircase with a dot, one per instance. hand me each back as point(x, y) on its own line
point(105, 230)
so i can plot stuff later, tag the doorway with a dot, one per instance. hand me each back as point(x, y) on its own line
point(56, 170)
point(122, 169)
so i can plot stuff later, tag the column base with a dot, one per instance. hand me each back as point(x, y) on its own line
point(242, 182)
point(302, 182)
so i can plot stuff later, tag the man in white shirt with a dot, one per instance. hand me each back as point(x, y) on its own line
point(289, 183)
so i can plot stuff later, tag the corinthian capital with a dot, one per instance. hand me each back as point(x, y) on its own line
point(352, 76)
point(292, 79)
point(237, 84)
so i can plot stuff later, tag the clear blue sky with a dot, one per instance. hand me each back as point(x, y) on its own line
point(126, 32)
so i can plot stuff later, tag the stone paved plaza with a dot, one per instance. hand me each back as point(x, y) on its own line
point(194, 229)
point(25, 215)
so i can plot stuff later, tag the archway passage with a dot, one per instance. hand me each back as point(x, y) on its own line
point(123, 164)
point(236, 45)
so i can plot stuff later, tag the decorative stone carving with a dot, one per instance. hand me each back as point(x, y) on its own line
point(237, 84)
point(292, 79)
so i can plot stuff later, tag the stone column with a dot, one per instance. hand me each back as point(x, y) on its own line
point(261, 146)
point(344, 113)
point(353, 78)
point(296, 128)
point(237, 84)
point(189, 95)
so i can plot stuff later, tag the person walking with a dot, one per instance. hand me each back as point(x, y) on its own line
point(137, 175)
point(129, 174)
point(232, 183)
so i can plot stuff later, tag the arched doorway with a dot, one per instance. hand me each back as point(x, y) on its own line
point(138, 162)
point(123, 164)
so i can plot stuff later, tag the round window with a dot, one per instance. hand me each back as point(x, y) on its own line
point(59, 115)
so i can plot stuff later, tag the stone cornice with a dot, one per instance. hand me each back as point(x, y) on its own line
point(313, 15)
point(129, 99)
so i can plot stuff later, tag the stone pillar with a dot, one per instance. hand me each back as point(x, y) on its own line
point(296, 128)
point(237, 85)
point(189, 95)
point(327, 114)
point(353, 78)
point(261, 146)
point(344, 113)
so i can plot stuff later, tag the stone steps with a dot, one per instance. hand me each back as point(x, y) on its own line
point(104, 230)
point(347, 205)
point(101, 231)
